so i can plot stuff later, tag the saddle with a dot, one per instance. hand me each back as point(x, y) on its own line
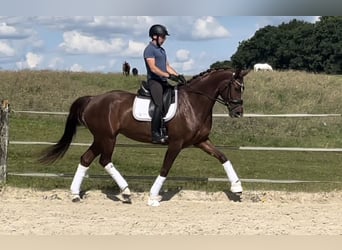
point(143, 105)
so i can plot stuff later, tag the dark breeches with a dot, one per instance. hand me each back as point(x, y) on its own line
point(157, 90)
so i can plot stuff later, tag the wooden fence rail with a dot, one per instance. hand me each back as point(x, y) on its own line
point(4, 142)
point(4, 111)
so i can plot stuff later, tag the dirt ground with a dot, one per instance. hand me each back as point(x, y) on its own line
point(31, 212)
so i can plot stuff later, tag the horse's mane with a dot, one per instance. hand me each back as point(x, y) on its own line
point(207, 72)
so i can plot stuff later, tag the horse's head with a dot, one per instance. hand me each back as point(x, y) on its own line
point(232, 92)
point(221, 85)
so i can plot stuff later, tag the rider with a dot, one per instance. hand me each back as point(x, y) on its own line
point(158, 71)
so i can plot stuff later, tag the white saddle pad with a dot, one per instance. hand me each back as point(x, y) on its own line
point(141, 105)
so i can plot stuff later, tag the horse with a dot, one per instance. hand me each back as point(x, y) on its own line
point(109, 114)
point(262, 67)
point(126, 68)
point(135, 71)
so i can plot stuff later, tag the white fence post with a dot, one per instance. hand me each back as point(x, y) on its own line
point(4, 111)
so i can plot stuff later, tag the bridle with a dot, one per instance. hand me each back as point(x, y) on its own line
point(228, 101)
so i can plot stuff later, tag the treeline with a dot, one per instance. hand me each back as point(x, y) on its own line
point(297, 45)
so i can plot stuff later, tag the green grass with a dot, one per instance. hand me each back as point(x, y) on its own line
point(267, 92)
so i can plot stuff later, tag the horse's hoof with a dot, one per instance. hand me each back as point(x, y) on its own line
point(76, 198)
point(125, 196)
point(154, 201)
point(236, 188)
point(126, 199)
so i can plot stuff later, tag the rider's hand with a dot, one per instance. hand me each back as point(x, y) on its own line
point(181, 79)
point(173, 78)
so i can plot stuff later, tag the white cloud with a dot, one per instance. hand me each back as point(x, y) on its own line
point(76, 68)
point(7, 30)
point(277, 20)
point(56, 63)
point(6, 50)
point(182, 55)
point(76, 42)
point(136, 25)
point(107, 26)
point(135, 49)
point(186, 66)
point(31, 61)
point(316, 19)
point(208, 28)
point(12, 32)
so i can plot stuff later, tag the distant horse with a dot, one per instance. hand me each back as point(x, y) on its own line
point(109, 114)
point(135, 71)
point(126, 68)
point(262, 67)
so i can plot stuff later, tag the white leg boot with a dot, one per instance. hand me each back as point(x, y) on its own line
point(155, 198)
point(236, 186)
point(125, 194)
point(77, 182)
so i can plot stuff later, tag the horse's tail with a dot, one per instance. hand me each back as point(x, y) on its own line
point(74, 119)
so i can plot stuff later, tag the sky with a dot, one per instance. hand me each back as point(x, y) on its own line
point(103, 43)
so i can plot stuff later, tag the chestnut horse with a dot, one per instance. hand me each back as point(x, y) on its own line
point(109, 114)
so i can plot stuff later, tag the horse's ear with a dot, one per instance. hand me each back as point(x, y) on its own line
point(240, 73)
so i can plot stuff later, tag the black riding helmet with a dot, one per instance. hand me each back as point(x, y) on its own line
point(158, 30)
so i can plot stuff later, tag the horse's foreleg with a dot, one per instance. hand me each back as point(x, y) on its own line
point(170, 156)
point(209, 148)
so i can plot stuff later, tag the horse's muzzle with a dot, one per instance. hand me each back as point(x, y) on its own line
point(236, 111)
point(236, 114)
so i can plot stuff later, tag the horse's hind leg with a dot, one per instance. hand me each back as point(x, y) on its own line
point(83, 166)
point(107, 146)
point(209, 148)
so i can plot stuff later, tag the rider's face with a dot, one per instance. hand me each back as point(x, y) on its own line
point(161, 39)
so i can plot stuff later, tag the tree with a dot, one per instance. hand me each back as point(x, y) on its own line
point(223, 64)
point(328, 36)
point(295, 45)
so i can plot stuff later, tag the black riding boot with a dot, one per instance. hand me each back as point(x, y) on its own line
point(156, 123)
point(163, 130)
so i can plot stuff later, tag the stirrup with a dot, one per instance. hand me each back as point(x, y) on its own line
point(159, 139)
point(164, 135)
